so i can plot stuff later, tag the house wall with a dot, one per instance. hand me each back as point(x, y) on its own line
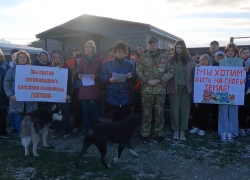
point(112, 31)
point(53, 44)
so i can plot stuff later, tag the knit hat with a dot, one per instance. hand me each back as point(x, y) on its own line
point(220, 53)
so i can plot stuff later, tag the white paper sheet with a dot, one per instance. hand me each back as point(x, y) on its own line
point(119, 77)
point(87, 80)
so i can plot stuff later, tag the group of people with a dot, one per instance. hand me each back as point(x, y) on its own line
point(151, 76)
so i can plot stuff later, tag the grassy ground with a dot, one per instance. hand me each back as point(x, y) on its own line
point(198, 157)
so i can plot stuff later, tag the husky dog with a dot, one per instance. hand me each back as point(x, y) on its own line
point(36, 121)
point(119, 132)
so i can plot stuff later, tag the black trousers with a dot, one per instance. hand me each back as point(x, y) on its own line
point(76, 108)
point(244, 113)
point(137, 103)
point(201, 116)
point(3, 114)
point(120, 112)
point(214, 110)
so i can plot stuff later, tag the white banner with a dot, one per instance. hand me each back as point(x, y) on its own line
point(41, 84)
point(219, 85)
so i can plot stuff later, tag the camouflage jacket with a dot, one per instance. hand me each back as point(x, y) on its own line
point(150, 67)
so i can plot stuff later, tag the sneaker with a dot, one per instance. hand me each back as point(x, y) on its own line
point(13, 130)
point(4, 136)
point(145, 140)
point(223, 137)
point(160, 139)
point(182, 136)
point(176, 135)
point(76, 131)
point(55, 135)
point(230, 137)
point(248, 91)
point(194, 130)
point(201, 132)
point(243, 133)
point(248, 131)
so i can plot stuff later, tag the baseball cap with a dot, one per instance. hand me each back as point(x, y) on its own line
point(220, 53)
point(214, 42)
point(77, 49)
point(13, 51)
point(153, 39)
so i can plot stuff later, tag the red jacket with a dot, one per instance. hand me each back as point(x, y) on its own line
point(91, 67)
point(71, 62)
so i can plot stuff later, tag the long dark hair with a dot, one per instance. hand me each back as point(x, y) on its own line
point(185, 54)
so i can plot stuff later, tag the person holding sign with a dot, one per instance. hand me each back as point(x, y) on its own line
point(90, 92)
point(119, 74)
point(228, 114)
point(154, 70)
point(180, 89)
point(57, 60)
point(17, 108)
point(201, 112)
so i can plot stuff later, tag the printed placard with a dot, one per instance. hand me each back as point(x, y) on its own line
point(41, 84)
point(219, 85)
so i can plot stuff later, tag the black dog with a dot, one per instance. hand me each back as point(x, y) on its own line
point(117, 132)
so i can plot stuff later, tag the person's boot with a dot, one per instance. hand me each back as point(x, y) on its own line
point(182, 135)
point(176, 135)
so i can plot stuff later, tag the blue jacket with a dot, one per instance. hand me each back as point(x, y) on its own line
point(118, 94)
point(3, 98)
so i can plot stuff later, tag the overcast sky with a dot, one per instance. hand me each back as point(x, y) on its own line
point(198, 22)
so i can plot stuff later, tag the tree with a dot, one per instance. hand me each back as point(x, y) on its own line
point(5, 41)
point(36, 44)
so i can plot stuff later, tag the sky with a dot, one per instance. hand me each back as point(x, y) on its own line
point(198, 22)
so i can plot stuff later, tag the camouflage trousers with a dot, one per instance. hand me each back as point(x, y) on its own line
point(148, 102)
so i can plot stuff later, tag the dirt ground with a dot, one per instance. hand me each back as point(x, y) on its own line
point(198, 157)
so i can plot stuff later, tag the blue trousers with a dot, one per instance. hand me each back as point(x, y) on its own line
point(15, 120)
point(90, 113)
point(228, 119)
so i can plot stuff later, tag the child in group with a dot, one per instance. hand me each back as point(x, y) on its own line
point(201, 111)
point(17, 108)
point(228, 125)
point(218, 56)
point(214, 108)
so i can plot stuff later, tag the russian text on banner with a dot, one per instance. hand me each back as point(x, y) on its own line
point(41, 84)
point(219, 85)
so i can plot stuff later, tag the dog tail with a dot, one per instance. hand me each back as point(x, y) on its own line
point(26, 141)
point(88, 141)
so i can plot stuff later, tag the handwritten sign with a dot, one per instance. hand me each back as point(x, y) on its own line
point(41, 84)
point(219, 85)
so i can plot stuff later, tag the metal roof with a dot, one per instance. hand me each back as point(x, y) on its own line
point(6, 48)
point(148, 27)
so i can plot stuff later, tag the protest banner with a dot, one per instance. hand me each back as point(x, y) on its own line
point(219, 85)
point(40, 84)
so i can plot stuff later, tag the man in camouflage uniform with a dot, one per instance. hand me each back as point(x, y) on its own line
point(154, 70)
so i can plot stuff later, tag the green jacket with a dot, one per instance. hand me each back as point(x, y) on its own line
point(150, 67)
